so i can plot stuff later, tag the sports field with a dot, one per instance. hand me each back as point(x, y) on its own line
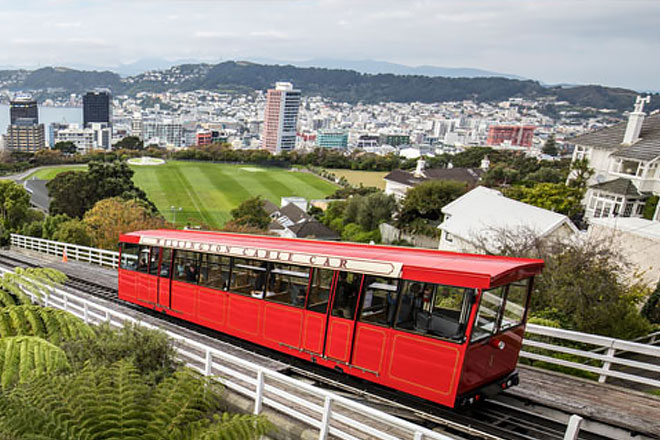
point(206, 192)
point(366, 178)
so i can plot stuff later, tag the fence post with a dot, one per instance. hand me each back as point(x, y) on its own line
point(208, 363)
point(86, 313)
point(259, 392)
point(606, 366)
point(418, 435)
point(325, 422)
point(573, 429)
point(66, 303)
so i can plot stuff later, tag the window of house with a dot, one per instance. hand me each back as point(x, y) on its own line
point(629, 167)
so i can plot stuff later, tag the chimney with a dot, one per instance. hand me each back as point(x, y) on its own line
point(635, 121)
point(485, 163)
point(419, 171)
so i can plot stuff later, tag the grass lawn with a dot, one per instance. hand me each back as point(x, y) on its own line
point(49, 173)
point(206, 192)
point(366, 178)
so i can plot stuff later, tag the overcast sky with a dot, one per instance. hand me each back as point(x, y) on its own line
point(557, 41)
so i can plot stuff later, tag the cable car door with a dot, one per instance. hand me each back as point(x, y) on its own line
point(163, 298)
point(341, 320)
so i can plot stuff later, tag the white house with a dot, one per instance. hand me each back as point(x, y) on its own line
point(482, 218)
point(626, 163)
point(637, 239)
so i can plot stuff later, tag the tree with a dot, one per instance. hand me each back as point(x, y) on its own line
point(550, 146)
point(251, 213)
point(114, 216)
point(73, 231)
point(501, 174)
point(427, 199)
point(651, 309)
point(52, 223)
point(371, 210)
point(71, 193)
point(68, 147)
point(555, 197)
point(116, 402)
point(129, 143)
point(580, 174)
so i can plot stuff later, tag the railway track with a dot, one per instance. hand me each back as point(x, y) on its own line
point(490, 420)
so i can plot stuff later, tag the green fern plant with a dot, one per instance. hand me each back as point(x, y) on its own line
point(116, 402)
point(29, 334)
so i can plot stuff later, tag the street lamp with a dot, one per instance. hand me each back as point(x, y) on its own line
point(174, 209)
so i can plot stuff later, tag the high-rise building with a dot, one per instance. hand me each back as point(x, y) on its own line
point(164, 132)
point(97, 107)
point(280, 118)
point(23, 107)
point(24, 135)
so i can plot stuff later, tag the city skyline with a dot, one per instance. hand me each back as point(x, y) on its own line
point(550, 41)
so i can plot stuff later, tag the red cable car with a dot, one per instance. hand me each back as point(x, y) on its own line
point(443, 326)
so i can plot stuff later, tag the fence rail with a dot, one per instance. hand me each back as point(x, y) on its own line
point(587, 352)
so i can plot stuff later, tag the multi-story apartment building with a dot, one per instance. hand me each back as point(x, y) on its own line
point(86, 139)
point(24, 135)
point(332, 139)
point(280, 118)
point(514, 135)
point(625, 159)
point(164, 132)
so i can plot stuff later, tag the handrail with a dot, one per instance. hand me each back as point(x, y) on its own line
point(611, 347)
point(323, 410)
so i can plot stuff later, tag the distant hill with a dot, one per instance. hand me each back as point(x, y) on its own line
point(341, 85)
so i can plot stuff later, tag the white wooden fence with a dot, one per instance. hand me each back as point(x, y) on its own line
point(599, 357)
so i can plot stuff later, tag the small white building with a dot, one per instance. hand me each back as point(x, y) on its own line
point(480, 219)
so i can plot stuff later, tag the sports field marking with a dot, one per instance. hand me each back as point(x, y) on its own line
point(253, 169)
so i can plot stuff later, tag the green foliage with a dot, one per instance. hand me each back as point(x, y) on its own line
point(547, 174)
point(52, 223)
point(47, 323)
point(501, 174)
point(75, 192)
point(14, 206)
point(251, 213)
point(75, 232)
point(25, 357)
point(650, 206)
point(580, 174)
point(582, 288)
point(550, 146)
point(129, 143)
point(555, 197)
point(15, 286)
point(67, 147)
point(115, 402)
point(369, 211)
point(426, 200)
point(651, 309)
point(150, 351)
point(355, 233)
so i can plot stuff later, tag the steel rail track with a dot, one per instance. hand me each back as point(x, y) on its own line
point(489, 420)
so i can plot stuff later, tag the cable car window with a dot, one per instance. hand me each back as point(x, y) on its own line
point(186, 266)
point(143, 259)
point(248, 277)
point(379, 300)
point(488, 313)
point(214, 272)
point(514, 308)
point(319, 293)
point(129, 256)
point(434, 309)
point(154, 261)
point(346, 294)
point(287, 284)
point(165, 263)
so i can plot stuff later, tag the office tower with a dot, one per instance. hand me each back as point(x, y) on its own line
point(97, 107)
point(23, 107)
point(26, 136)
point(515, 135)
point(280, 118)
point(332, 139)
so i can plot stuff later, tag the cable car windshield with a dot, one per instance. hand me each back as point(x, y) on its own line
point(500, 309)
